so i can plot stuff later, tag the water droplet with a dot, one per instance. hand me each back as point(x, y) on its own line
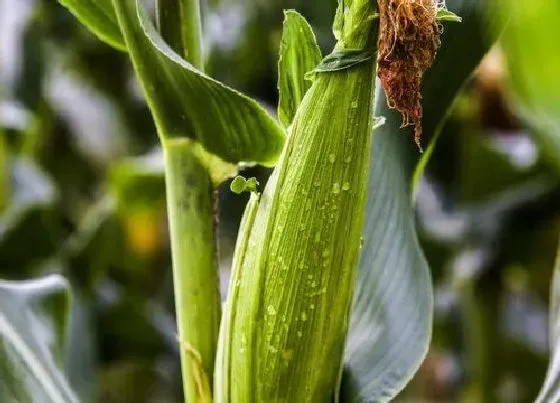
point(354, 104)
point(348, 159)
point(299, 334)
point(346, 186)
point(312, 306)
point(287, 354)
point(336, 188)
point(332, 158)
point(271, 310)
point(318, 236)
point(303, 316)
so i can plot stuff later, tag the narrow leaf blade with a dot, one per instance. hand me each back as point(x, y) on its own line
point(33, 317)
point(299, 54)
point(187, 103)
point(99, 17)
point(550, 391)
point(530, 44)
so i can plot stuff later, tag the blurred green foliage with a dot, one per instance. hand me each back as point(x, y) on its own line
point(81, 194)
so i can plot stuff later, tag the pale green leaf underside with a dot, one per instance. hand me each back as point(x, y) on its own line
point(33, 318)
point(392, 314)
point(550, 391)
point(299, 54)
point(187, 103)
point(98, 16)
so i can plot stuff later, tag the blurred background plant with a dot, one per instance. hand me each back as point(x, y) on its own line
point(82, 195)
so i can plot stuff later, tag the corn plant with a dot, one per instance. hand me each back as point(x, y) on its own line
point(330, 297)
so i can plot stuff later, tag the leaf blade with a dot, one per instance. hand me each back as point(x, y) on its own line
point(299, 54)
point(99, 17)
point(32, 315)
point(187, 103)
point(384, 350)
point(550, 391)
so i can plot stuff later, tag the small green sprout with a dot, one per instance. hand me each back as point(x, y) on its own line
point(240, 185)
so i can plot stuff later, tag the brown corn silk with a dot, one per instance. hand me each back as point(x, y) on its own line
point(408, 41)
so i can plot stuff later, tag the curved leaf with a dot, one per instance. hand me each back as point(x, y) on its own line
point(299, 54)
point(550, 391)
point(531, 47)
point(392, 315)
point(33, 316)
point(99, 17)
point(29, 219)
point(187, 103)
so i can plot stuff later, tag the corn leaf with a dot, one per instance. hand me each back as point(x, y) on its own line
point(184, 101)
point(550, 391)
point(187, 103)
point(33, 316)
point(299, 54)
point(30, 219)
point(99, 17)
point(531, 47)
point(392, 315)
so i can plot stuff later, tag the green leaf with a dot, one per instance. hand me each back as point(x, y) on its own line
point(91, 249)
point(343, 59)
point(392, 315)
point(33, 316)
point(99, 17)
point(299, 54)
point(187, 103)
point(81, 362)
point(550, 391)
point(531, 47)
point(30, 219)
point(444, 14)
point(240, 185)
point(144, 172)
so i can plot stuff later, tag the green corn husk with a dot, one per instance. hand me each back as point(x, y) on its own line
point(287, 312)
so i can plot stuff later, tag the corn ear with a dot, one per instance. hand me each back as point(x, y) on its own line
point(287, 312)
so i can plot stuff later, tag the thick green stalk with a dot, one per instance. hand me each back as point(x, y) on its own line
point(180, 24)
point(190, 200)
point(288, 308)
